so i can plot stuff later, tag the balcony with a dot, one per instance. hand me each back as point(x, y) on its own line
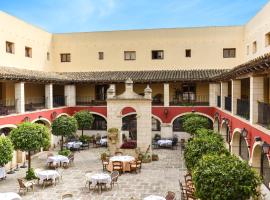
point(218, 101)
point(34, 103)
point(58, 101)
point(89, 101)
point(7, 106)
point(243, 108)
point(264, 114)
point(228, 104)
point(191, 101)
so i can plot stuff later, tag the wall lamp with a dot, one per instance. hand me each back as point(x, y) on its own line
point(244, 133)
point(265, 147)
point(227, 121)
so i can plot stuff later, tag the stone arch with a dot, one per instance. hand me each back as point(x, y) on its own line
point(157, 118)
point(235, 141)
point(6, 126)
point(225, 132)
point(156, 125)
point(129, 123)
point(44, 120)
point(255, 160)
point(99, 124)
point(240, 145)
point(198, 113)
point(127, 111)
point(62, 114)
point(99, 114)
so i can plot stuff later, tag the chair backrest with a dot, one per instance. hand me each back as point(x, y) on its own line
point(114, 176)
point(21, 183)
point(118, 153)
point(170, 196)
point(117, 163)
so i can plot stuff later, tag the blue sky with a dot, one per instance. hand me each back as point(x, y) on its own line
point(104, 15)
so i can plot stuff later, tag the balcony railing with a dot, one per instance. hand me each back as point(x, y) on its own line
point(199, 100)
point(34, 103)
point(58, 101)
point(218, 101)
point(264, 114)
point(7, 106)
point(243, 108)
point(228, 104)
point(89, 101)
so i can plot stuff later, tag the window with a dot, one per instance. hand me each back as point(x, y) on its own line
point(229, 53)
point(267, 39)
point(28, 52)
point(155, 124)
point(101, 92)
point(157, 54)
point(100, 55)
point(10, 47)
point(65, 57)
point(188, 53)
point(247, 49)
point(254, 47)
point(130, 55)
point(48, 55)
point(189, 92)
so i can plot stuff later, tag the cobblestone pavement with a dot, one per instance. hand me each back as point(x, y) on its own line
point(155, 178)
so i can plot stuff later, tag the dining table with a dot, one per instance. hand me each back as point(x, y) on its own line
point(154, 197)
point(10, 196)
point(125, 159)
point(59, 159)
point(74, 144)
point(164, 142)
point(2, 173)
point(47, 174)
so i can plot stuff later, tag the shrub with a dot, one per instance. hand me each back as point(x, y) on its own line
point(221, 177)
point(194, 122)
point(131, 144)
point(155, 157)
point(85, 119)
point(157, 137)
point(85, 138)
point(65, 152)
point(6, 150)
point(30, 174)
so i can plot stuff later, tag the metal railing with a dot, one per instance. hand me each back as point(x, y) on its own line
point(264, 113)
point(199, 100)
point(89, 101)
point(228, 103)
point(58, 101)
point(34, 103)
point(243, 108)
point(218, 101)
point(7, 106)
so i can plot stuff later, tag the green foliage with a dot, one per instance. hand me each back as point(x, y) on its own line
point(201, 145)
point(113, 130)
point(30, 137)
point(157, 137)
point(85, 119)
point(6, 150)
point(104, 155)
point(85, 138)
point(194, 122)
point(221, 177)
point(65, 152)
point(30, 174)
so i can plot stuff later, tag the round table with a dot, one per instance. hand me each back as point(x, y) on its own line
point(98, 178)
point(47, 174)
point(2, 172)
point(154, 197)
point(103, 141)
point(75, 145)
point(124, 159)
point(58, 159)
point(10, 196)
point(164, 142)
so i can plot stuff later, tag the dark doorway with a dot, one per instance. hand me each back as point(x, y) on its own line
point(129, 123)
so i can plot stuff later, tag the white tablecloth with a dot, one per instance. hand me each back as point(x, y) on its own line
point(98, 178)
point(154, 197)
point(10, 196)
point(47, 174)
point(2, 172)
point(103, 141)
point(164, 142)
point(122, 158)
point(58, 159)
point(74, 145)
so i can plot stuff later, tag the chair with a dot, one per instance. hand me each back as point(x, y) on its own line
point(47, 182)
point(114, 177)
point(118, 153)
point(117, 166)
point(60, 171)
point(133, 166)
point(170, 196)
point(53, 165)
point(49, 154)
point(36, 172)
point(105, 164)
point(186, 192)
point(24, 185)
point(71, 159)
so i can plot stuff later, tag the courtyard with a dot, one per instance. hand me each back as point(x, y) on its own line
point(155, 178)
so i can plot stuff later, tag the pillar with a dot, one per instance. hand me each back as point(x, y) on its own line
point(70, 95)
point(224, 93)
point(256, 94)
point(214, 91)
point(166, 87)
point(166, 130)
point(236, 94)
point(19, 97)
point(49, 96)
point(111, 91)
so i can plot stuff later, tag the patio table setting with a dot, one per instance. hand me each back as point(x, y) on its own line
point(10, 196)
point(59, 159)
point(154, 197)
point(124, 159)
point(164, 142)
point(103, 141)
point(47, 174)
point(74, 144)
point(98, 178)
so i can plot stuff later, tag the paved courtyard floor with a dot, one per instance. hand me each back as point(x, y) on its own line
point(155, 178)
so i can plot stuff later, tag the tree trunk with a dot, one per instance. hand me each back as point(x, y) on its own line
point(62, 141)
point(29, 160)
point(82, 131)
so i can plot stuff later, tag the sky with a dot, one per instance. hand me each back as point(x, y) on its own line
point(58, 16)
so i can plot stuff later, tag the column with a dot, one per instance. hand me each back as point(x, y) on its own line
point(214, 91)
point(111, 91)
point(256, 94)
point(166, 94)
point(19, 97)
point(224, 93)
point(166, 130)
point(49, 96)
point(70, 95)
point(236, 94)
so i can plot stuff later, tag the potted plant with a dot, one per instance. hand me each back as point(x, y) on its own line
point(155, 157)
point(113, 135)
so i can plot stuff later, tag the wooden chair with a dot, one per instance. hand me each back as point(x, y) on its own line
point(139, 164)
point(114, 177)
point(60, 171)
point(133, 166)
point(53, 165)
point(47, 182)
point(186, 192)
point(105, 164)
point(118, 153)
point(25, 185)
point(117, 166)
point(170, 196)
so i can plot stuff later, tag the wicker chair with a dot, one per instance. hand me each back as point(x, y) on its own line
point(118, 153)
point(47, 182)
point(114, 177)
point(53, 165)
point(105, 164)
point(71, 159)
point(117, 166)
point(25, 185)
point(170, 196)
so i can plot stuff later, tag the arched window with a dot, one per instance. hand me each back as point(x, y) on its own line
point(129, 123)
point(265, 170)
point(155, 124)
point(99, 123)
point(243, 148)
point(5, 131)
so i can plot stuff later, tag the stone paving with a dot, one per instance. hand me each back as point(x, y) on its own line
point(155, 178)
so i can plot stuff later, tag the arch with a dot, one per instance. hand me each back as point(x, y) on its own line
point(127, 110)
point(46, 121)
point(156, 124)
point(129, 123)
point(216, 125)
point(62, 114)
point(255, 160)
point(239, 145)
point(99, 123)
point(157, 118)
point(235, 141)
point(8, 126)
point(225, 132)
point(101, 115)
point(187, 113)
point(5, 129)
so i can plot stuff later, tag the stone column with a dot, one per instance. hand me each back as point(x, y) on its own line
point(111, 91)
point(166, 130)
point(19, 97)
point(214, 91)
point(49, 96)
point(224, 93)
point(236, 94)
point(256, 94)
point(166, 87)
point(70, 95)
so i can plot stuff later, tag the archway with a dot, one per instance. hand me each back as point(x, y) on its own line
point(216, 125)
point(155, 124)
point(225, 132)
point(129, 123)
point(99, 123)
point(42, 121)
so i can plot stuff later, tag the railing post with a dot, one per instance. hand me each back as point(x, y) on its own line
point(214, 91)
point(20, 97)
point(236, 94)
point(49, 96)
point(166, 94)
point(223, 94)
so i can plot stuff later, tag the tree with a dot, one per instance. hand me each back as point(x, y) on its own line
point(30, 137)
point(221, 177)
point(194, 122)
point(64, 126)
point(6, 150)
point(85, 119)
